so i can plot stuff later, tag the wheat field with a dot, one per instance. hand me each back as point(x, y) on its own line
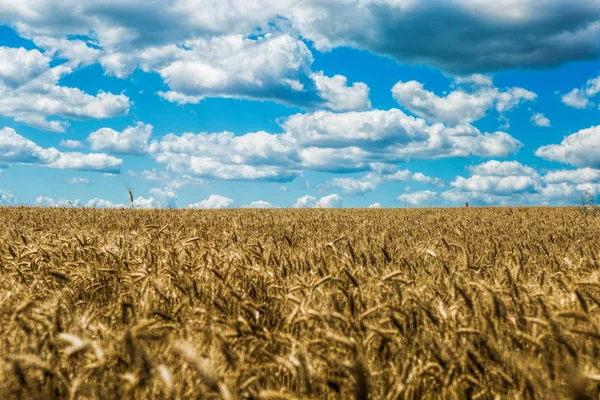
point(478, 303)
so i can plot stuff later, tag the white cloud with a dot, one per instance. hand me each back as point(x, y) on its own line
point(166, 197)
point(394, 136)
point(139, 202)
point(375, 205)
point(579, 98)
point(576, 98)
point(132, 140)
point(102, 203)
point(50, 202)
point(510, 182)
point(497, 185)
point(18, 66)
point(78, 181)
point(422, 198)
point(540, 120)
point(16, 148)
point(329, 201)
point(213, 202)
point(34, 95)
point(258, 204)
point(7, 198)
point(71, 144)
point(305, 202)
point(582, 175)
point(422, 178)
point(458, 107)
point(86, 162)
point(381, 173)
point(328, 142)
point(168, 179)
point(502, 168)
point(340, 97)
point(581, 149)
point(368, 183)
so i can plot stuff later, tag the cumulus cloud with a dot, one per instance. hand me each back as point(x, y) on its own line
point(381, 173)
point(582, 175)
point(581, 149)
point(16, 148)
point(18, 65)
point(340, 97)
point(580, 97)
point(132, 140)
point(458, 107)
point(328, 142)
point(34, 94)
point(375, 205)
point(258, 204)
point(175, 181)
point(213, 202)
point(71, 144)
point(42, 201)
point(7, 198)
point(166, 196)
point(540, 120)
point(421, 198)
point(329, 201)
point(576, 98)
point(511, 182)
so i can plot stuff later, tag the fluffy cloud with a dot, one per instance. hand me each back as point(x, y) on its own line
point(71, 144)
point(381, 173)
point(7, 198)
point(582, 175)
point(510, 182)
point(502, 168)
point(329, 201)
point(328, 142)
point(540, 120)
point(470, 35)
point(168, 179)
point(394, 136)
point(340, 97)
point(458, 107)
point(213, 202)
point(581, 149)
point(33, 94)
point(18, 66)
point(422, 198)
point(576, 98)
point(166, 197)
point(42, 201)
point(579, 98)
point(375, 205)
point(16, 148)
point(305, 202)
point(258, 204)
point(140, 202)
point(132, 140)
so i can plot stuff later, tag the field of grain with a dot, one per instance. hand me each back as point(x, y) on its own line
point(289, 304)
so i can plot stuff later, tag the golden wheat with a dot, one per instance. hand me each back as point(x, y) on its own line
point(293, 304)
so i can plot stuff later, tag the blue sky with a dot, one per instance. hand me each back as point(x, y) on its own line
point(330, 103)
